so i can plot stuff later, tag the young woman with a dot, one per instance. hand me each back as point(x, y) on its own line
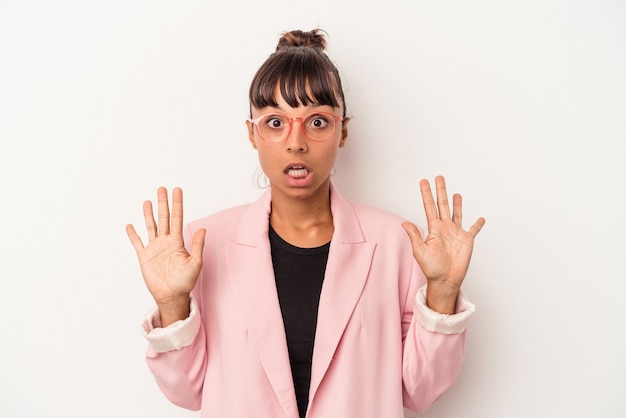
point(304, 303)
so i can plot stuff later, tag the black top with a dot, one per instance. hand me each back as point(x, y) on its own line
point(299, 273)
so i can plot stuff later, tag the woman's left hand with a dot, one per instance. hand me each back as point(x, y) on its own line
point(445, 254)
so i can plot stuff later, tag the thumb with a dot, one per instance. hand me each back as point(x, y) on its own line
point(414, 235)
point(197, 244)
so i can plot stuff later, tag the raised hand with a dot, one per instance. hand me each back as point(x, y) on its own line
point(169, 270)
point(445, 254)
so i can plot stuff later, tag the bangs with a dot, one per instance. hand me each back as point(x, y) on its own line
point(302, 75)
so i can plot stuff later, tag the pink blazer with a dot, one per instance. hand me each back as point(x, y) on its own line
point(371, 356)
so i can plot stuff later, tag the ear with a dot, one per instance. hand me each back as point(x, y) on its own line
point(344, 132)
point(251, 137)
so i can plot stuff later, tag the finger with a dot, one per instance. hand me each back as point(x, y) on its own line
point(197, 244)
point(429, 202)
point(442, 198)
point(149, 218)
point(457, 209)
point(164, 211)
point(478, 225)
point(414, 235)
point(134, 238)
point(177, 211)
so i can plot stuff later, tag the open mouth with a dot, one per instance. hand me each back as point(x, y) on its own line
point(297, 171)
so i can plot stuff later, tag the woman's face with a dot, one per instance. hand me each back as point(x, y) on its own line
point(297, 166)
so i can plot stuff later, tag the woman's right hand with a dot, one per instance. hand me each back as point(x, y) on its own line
point(169, 270)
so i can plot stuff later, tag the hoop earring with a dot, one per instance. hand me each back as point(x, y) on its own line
point(261, 180)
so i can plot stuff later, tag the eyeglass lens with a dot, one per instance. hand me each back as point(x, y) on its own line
point(316, 126)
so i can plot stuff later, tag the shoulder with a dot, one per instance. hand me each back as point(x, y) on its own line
point(225, 218)
point(393, 245)
point(379, 223)
point(373, 223)
point(367, 212)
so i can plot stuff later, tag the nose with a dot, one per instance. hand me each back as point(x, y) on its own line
point(296, 140)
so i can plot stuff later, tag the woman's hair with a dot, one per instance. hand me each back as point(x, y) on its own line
point(302, 71)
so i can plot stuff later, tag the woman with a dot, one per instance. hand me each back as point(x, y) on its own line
point(304, 303)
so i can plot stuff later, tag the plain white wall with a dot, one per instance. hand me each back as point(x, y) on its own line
point(521, 104)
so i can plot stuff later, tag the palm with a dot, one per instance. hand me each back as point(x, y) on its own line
point(167, 267)
point(446, 252)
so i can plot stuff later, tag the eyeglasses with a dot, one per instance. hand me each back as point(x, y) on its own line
point(317, 126)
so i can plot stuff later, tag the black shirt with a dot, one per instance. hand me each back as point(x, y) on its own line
point(299, 274)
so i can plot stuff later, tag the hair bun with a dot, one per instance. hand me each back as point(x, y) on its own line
point(313, 39)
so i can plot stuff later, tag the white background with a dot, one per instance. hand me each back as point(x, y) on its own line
point(520, 104)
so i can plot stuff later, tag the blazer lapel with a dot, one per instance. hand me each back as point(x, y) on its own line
point(250, 269)
point(349, 261)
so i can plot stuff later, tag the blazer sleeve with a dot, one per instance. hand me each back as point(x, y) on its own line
point(434, 346)
point(177, 354)
point(176, 335)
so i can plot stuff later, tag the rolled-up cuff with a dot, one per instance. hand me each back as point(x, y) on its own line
point(443, 323)
point(175, 336)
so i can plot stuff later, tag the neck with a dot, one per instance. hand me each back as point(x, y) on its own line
point(306, 222)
